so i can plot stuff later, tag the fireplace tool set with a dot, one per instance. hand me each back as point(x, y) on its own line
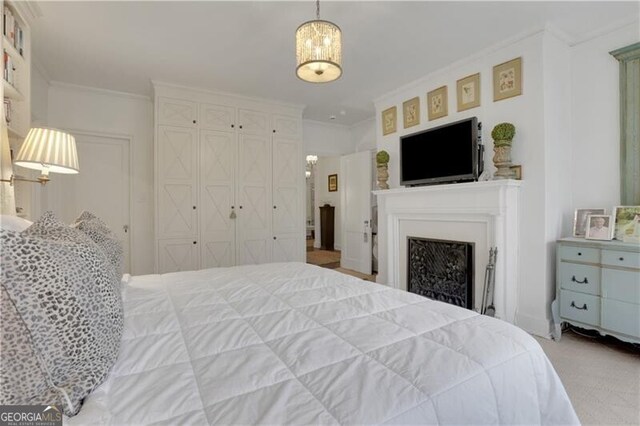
point(487, 307)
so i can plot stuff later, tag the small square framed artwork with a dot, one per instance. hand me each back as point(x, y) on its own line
point(389, 120)
point(437, 103)
point(580, 220)
point(599, 227)
point(507, 80)
point(333, 183)
point(627, 223)
point(468, 90)
point(411, 112)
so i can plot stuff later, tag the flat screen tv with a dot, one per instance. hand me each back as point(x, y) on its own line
point(443, 154)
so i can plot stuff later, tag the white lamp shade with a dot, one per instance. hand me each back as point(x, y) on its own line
point(48, 149)
point(319, 51)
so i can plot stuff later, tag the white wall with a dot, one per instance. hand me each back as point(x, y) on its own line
point(363, 135)
point(325, 139)
point(93, 110)
point(327, 166)
point(595, 118)
point(39, 97)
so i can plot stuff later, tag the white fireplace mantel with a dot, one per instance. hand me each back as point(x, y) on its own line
point(485, 213)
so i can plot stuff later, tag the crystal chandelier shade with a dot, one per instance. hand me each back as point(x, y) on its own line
point(318, 50)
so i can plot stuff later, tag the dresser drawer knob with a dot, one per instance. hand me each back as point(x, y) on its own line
point(585, 281)
point(622, 259)
point(579, 253)
point(584, 306)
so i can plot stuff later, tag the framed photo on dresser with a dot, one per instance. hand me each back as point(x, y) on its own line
point(580, 220)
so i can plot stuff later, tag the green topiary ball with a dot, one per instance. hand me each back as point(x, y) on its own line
point(503, 132)
point(382, 157)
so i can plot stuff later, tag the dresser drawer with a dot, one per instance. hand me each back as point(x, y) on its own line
point(580, 307)
point(621, 317)
point(621, 258)
point(621, 285)
point(580, 278)
point(582, 254)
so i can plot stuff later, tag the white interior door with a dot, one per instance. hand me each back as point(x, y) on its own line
point(355, 185)
point(101, 187)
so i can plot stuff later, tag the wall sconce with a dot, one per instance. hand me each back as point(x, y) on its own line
point(312, 160)
point(47, 150)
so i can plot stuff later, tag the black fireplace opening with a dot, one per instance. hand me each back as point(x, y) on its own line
point(441, 270)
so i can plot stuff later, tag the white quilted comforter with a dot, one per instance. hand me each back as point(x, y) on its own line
point(293, 343)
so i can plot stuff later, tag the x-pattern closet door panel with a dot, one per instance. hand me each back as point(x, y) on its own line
point(254, 201)
point(217, 187)
point(176, 112)
point(254, 122)
point(176, 255)
point(177, 180)
point(217, 117)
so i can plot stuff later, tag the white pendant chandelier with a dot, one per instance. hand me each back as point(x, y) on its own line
point(318, 50)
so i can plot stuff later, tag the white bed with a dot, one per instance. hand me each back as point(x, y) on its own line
point(294, 343)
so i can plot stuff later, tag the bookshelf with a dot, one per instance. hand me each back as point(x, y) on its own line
point(16, 90)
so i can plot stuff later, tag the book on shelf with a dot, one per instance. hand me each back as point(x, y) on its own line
point(7, 110)
point(12, 30)
point(9, 69)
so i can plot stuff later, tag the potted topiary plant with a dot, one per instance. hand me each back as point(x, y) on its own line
point(502, 135)
point(382, 160)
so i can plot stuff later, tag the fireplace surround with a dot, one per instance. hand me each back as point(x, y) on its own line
point(483, 213)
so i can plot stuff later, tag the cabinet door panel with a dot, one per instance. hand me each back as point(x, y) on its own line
point(176, 182)
point(217, 184)
point(175, 255)
point(287, 191)
point(254, 202)
point(286, 126)
point(253, 122)
point(287, 248)
point(176, 112)
point(621, 317)
point(217, 117)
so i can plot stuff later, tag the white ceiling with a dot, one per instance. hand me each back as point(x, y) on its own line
point(248, 47)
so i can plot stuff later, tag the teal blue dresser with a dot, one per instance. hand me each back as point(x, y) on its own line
point(598, 286)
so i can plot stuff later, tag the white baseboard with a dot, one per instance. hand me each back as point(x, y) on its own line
point(534, 325)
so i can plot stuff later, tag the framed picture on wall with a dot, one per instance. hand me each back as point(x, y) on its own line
point(468, 90)
point(580, 220)
point(599, 227)
point(411, 112)
point(437, 103)
point(507, 80)
point(333, 183)
point(389, 120)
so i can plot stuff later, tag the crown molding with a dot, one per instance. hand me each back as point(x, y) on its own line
point(28, 10)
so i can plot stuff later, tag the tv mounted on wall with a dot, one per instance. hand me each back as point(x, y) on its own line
point(445, 154)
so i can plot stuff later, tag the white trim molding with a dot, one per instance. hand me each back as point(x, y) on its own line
point(491, 207)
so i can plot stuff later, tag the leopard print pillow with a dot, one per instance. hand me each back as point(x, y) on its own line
point(68, 298)
point(99, 232)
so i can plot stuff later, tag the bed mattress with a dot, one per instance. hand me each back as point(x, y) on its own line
point(295, 343)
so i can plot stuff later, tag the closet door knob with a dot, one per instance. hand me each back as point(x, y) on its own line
point(195, 242)
point(274, 207)
point(194, 207)
point(274, 130)
point(194, 121)
point(240, 206)
point(274, 238)
point(233, 125)
point(240, 126)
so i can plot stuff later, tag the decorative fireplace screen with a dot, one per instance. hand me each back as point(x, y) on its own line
point(441, 270)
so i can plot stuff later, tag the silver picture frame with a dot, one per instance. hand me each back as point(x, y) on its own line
point(580, 220)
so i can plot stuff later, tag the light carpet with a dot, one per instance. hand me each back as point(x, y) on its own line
point(601, 376)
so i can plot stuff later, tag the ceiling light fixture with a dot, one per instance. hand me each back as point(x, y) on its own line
point(318, 50)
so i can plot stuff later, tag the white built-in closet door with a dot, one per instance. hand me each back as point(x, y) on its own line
point(254, 202)
point(217, 117)
point(287, 206)
point(177, 178)
point(101, 187)
point(176, 112)
point(177, 254)
point(217, 187)
point(255, 122)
